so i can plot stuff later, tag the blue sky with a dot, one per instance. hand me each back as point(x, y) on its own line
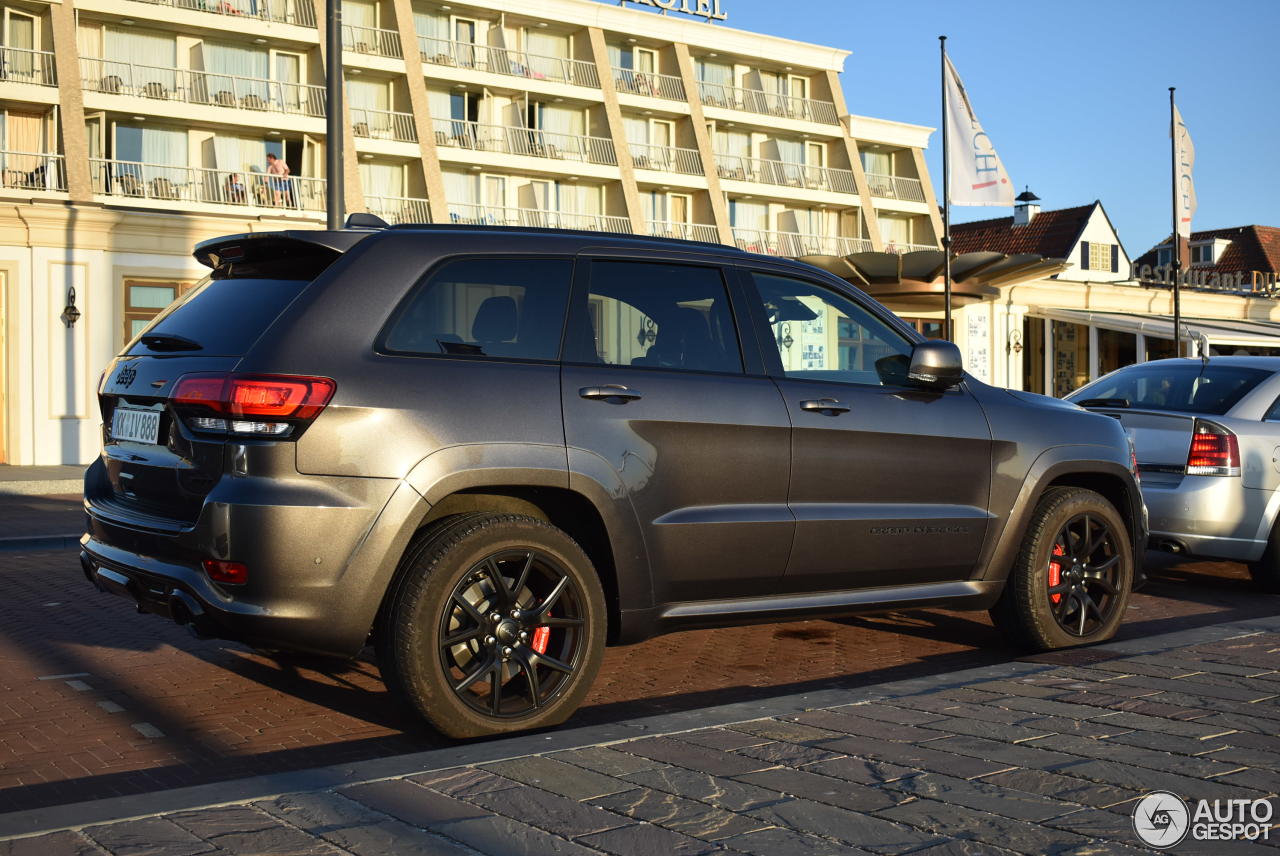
point(1074, 94)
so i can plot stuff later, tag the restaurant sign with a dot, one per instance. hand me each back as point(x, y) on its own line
point(1238, 282)
point(709, 9)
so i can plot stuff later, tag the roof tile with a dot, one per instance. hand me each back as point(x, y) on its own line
point(1050, 233)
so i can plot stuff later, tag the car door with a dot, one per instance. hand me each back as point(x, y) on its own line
point(889, 482)
point(657, 399)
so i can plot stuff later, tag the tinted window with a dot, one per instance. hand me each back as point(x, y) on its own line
point(226, 312)
point(823, 335)
point(1194, 388)
point(506, 308)
point(653, 315)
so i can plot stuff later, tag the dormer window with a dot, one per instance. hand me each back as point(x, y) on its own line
point(1164, 256)
point(1202, 254)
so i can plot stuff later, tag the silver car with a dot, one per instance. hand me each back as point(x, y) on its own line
point(1207, 439)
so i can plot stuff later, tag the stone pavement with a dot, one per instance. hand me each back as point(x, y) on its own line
point(1042, 755)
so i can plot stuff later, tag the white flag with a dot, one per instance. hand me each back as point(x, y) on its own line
point(1185, 159)
point(977, 176)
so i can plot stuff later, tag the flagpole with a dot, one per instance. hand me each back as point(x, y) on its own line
point(1176, 254)
point(946, 202)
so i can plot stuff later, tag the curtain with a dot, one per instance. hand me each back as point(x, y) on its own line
point(656, 207)
point(365, 96)
point(460, 187)
point(748, 215)
point(637, 130)
point(240, 154)
point(618, 58)
point(547, 44)
point(440, 103)
point(359, 13)
point(430, 25)
point(560, 120)
point(790, 151)
point(880, 163)
point(89, 40)
point(154, 58)
point(235, 73)
point(895, 230)
point(22, 132)
point(382, 179)
point(733, 143)
point(164, 147)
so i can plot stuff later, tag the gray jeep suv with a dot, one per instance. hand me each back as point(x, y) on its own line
point(490, 452)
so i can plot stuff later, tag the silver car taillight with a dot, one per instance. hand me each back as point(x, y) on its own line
point(1215, 451)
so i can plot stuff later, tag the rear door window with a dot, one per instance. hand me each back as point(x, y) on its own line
point(504, 308)
point(656, 315)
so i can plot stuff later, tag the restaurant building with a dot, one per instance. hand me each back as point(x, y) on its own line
point(130, 130)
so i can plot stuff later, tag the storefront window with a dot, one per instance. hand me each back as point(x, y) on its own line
point(1159, 349)
point(1033, 351)
point(1070, 357)
point(1116, 350)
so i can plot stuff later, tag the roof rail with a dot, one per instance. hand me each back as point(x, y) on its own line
point(587, 233)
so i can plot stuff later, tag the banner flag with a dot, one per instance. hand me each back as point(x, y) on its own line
point(1184, 161)
point(977, 175)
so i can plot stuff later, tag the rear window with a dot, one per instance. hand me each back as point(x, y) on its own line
point(226, 312)
point(1191, 388)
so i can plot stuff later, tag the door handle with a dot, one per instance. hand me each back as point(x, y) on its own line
point(610, 392)
point(824, 405)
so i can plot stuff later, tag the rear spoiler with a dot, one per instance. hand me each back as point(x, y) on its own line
point(215, 252)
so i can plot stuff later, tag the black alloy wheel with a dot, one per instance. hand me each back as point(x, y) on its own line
point(1083, 575)
point(511, 633)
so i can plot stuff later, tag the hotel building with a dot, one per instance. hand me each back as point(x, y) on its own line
point(129, 130)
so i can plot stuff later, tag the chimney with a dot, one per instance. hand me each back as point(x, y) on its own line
point(1026, 209)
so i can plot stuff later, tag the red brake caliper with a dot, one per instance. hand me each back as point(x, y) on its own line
point(541, 637)
point(1055, 572)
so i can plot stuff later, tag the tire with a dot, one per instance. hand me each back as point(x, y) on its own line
point(1071, 581)
point(497, 624)
point(1266, 571)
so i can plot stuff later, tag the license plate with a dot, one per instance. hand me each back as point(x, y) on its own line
point(141, 426)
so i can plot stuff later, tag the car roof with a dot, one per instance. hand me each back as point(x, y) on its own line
point(1271, 364)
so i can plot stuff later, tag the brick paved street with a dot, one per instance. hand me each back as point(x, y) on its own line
point(96, 701)
point(1039, 756)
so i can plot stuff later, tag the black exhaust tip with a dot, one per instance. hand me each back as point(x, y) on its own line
point(187, 611)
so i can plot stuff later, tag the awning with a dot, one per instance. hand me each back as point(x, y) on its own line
point(1213, 331)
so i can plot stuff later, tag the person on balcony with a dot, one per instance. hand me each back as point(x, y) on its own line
point(236, 191)
point(278, 177)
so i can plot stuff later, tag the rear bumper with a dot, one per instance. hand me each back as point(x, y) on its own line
point(1212, 516)
point(296, 534)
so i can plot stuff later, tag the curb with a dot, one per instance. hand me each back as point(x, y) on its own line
point(41, 487)
point(27, 543)
point(23, 824)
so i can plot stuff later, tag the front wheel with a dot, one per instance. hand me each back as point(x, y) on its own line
point(1071, 581)
point(498, 625)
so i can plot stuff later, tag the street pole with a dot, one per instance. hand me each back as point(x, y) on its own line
point(946, 203)
point(1175, 244)
point(334, 189)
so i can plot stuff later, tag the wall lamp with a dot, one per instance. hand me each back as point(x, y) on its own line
point(70, 314)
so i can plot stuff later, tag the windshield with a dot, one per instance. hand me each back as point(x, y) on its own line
point(1198, 388)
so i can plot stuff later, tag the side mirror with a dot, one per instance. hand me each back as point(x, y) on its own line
point(935, 364)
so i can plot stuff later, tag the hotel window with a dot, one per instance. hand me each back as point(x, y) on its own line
point(877, 163)
point(145, 299)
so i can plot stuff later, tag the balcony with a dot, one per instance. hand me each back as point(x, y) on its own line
point(455, 133)
point(132, 180)
point(795, 244)
point(767, 103)
point(896, 187)
point(21, 65)
point(685, 231)
point(298, 12)
point(383, 125)
point(487, 215)
point(508, 62)
point(399, 209)
point(30, 171)
point(666, 158)
point(785, 174)
point(201, 87)
point(370, 40)
point(649, 83)
point(902, 248)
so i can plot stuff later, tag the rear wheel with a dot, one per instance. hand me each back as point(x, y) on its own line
point(498, 625)
point(1071, 581)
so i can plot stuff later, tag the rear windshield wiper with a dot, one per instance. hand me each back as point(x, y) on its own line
point(170, 342)
point(1103, 402)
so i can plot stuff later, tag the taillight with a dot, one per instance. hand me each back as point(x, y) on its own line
point(261, 405)
point(233, 573)
point(1215, 451)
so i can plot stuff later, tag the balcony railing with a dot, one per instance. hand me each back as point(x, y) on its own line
point(299, 12)
point(22, 65)
point(201, 87)
point(649, 83)
point(795, 244)
point(194, 184)
point(896, 187)
point(767, 103)
point(901, 248)
point(383, 125)
point(487, 215)
point(686, 231)
point(785, 174)
point(31, 171)
point(456, 133)
point(509, 62)
point(371, 40)
point(399, 209)
point(666, 158)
